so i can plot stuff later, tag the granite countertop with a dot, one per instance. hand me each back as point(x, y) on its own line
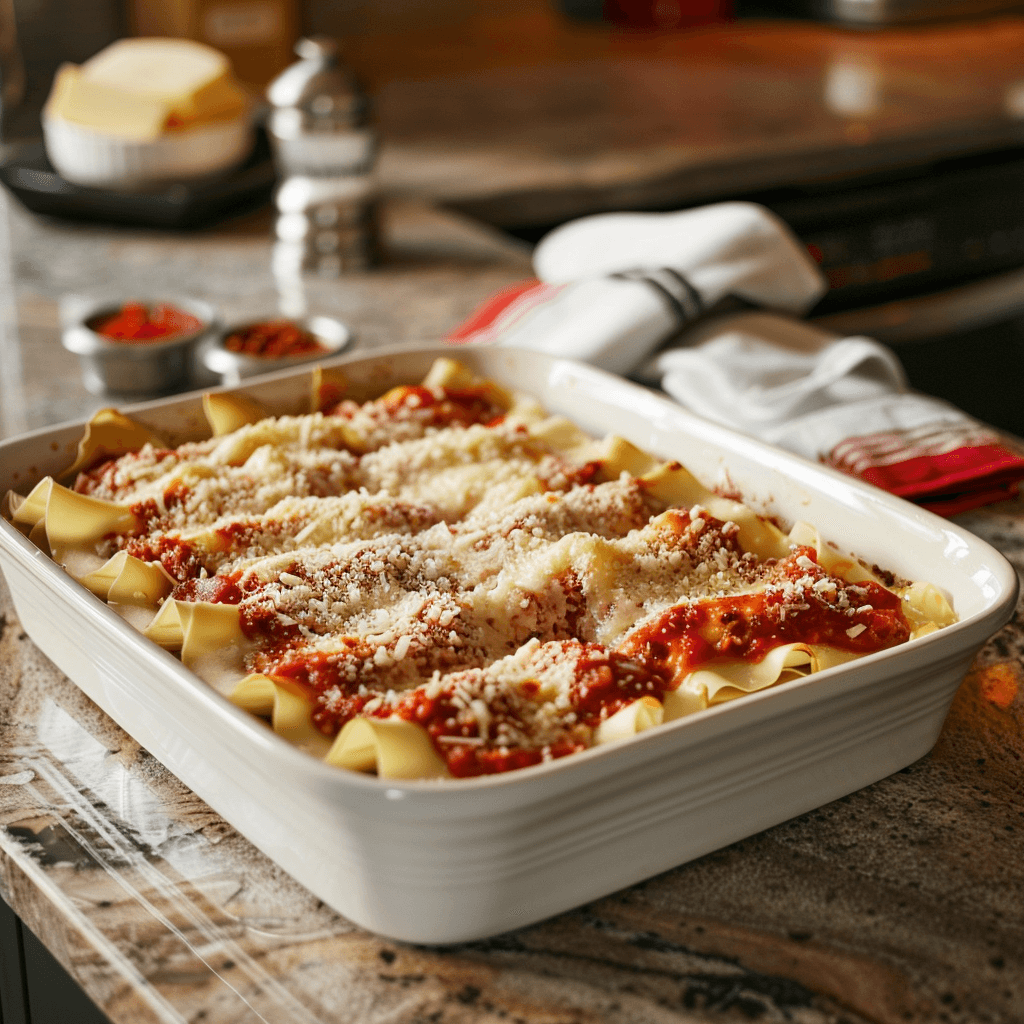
point(899, 903)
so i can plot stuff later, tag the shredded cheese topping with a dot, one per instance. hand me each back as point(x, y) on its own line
point(481, 572)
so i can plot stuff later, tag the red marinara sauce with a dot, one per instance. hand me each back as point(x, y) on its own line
point(274, 339)
point(137, 323)
point(604, 682)
point(444, 407)
point(857, 617)
point(179, 558)
point(437, 715)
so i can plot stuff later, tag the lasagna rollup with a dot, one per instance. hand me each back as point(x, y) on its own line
point(392, 748)
point(108, 435)
point(125, 579)
point(288, 710)
point(446, 582)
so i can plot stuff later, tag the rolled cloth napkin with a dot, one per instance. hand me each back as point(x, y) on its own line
point(613, 288)
point(649, 278)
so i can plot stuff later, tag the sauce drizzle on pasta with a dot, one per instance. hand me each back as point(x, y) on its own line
point(447, 559)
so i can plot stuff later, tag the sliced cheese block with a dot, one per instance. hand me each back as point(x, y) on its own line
point(104, 108)
point(191, 79)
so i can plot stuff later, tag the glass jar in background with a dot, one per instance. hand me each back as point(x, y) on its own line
point(325, 148)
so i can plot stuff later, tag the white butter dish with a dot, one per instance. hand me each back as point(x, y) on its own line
point(439, 862)
point(88, 157)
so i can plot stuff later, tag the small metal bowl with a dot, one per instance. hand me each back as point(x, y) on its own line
point(136, 368)
point(331, 334)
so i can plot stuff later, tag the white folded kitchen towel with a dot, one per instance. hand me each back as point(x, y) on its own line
point(841, 401)
point(613, 288)
point(769, 375)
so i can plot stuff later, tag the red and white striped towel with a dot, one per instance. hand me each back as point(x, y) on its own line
point(840, 401)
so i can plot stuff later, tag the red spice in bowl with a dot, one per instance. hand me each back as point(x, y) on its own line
point(274, 339)
point(137, 323)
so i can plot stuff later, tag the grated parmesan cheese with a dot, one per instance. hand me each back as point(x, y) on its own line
point(400, 559)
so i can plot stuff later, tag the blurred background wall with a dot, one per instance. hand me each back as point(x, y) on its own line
point(51, 31)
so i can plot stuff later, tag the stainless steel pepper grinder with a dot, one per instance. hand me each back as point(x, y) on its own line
point(325, 148)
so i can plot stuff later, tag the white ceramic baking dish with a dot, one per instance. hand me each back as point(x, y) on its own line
point(439, 862)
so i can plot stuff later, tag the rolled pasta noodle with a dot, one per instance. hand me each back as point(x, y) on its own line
point(256, 694)
point(619, 456)
point(634, 718)
point(728, 679)
point(287, 707)
point(226, 412)
point(125, 579)
point(213, 644)
point(108, 434)
point(830, 558)
point(391, 747)
point(926, 607)
point(59, 519)
point(165, 627)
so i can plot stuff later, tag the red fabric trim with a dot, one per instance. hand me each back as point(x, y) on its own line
point(954, 504)
point(964, 469)
point(490, 309)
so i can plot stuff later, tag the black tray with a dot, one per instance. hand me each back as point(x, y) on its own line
point(29, 176)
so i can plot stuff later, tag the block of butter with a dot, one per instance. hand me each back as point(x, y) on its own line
point(106, 109)
point(144, 112)
point(138, 89)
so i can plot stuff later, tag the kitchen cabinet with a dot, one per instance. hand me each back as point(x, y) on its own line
point(34, 988)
